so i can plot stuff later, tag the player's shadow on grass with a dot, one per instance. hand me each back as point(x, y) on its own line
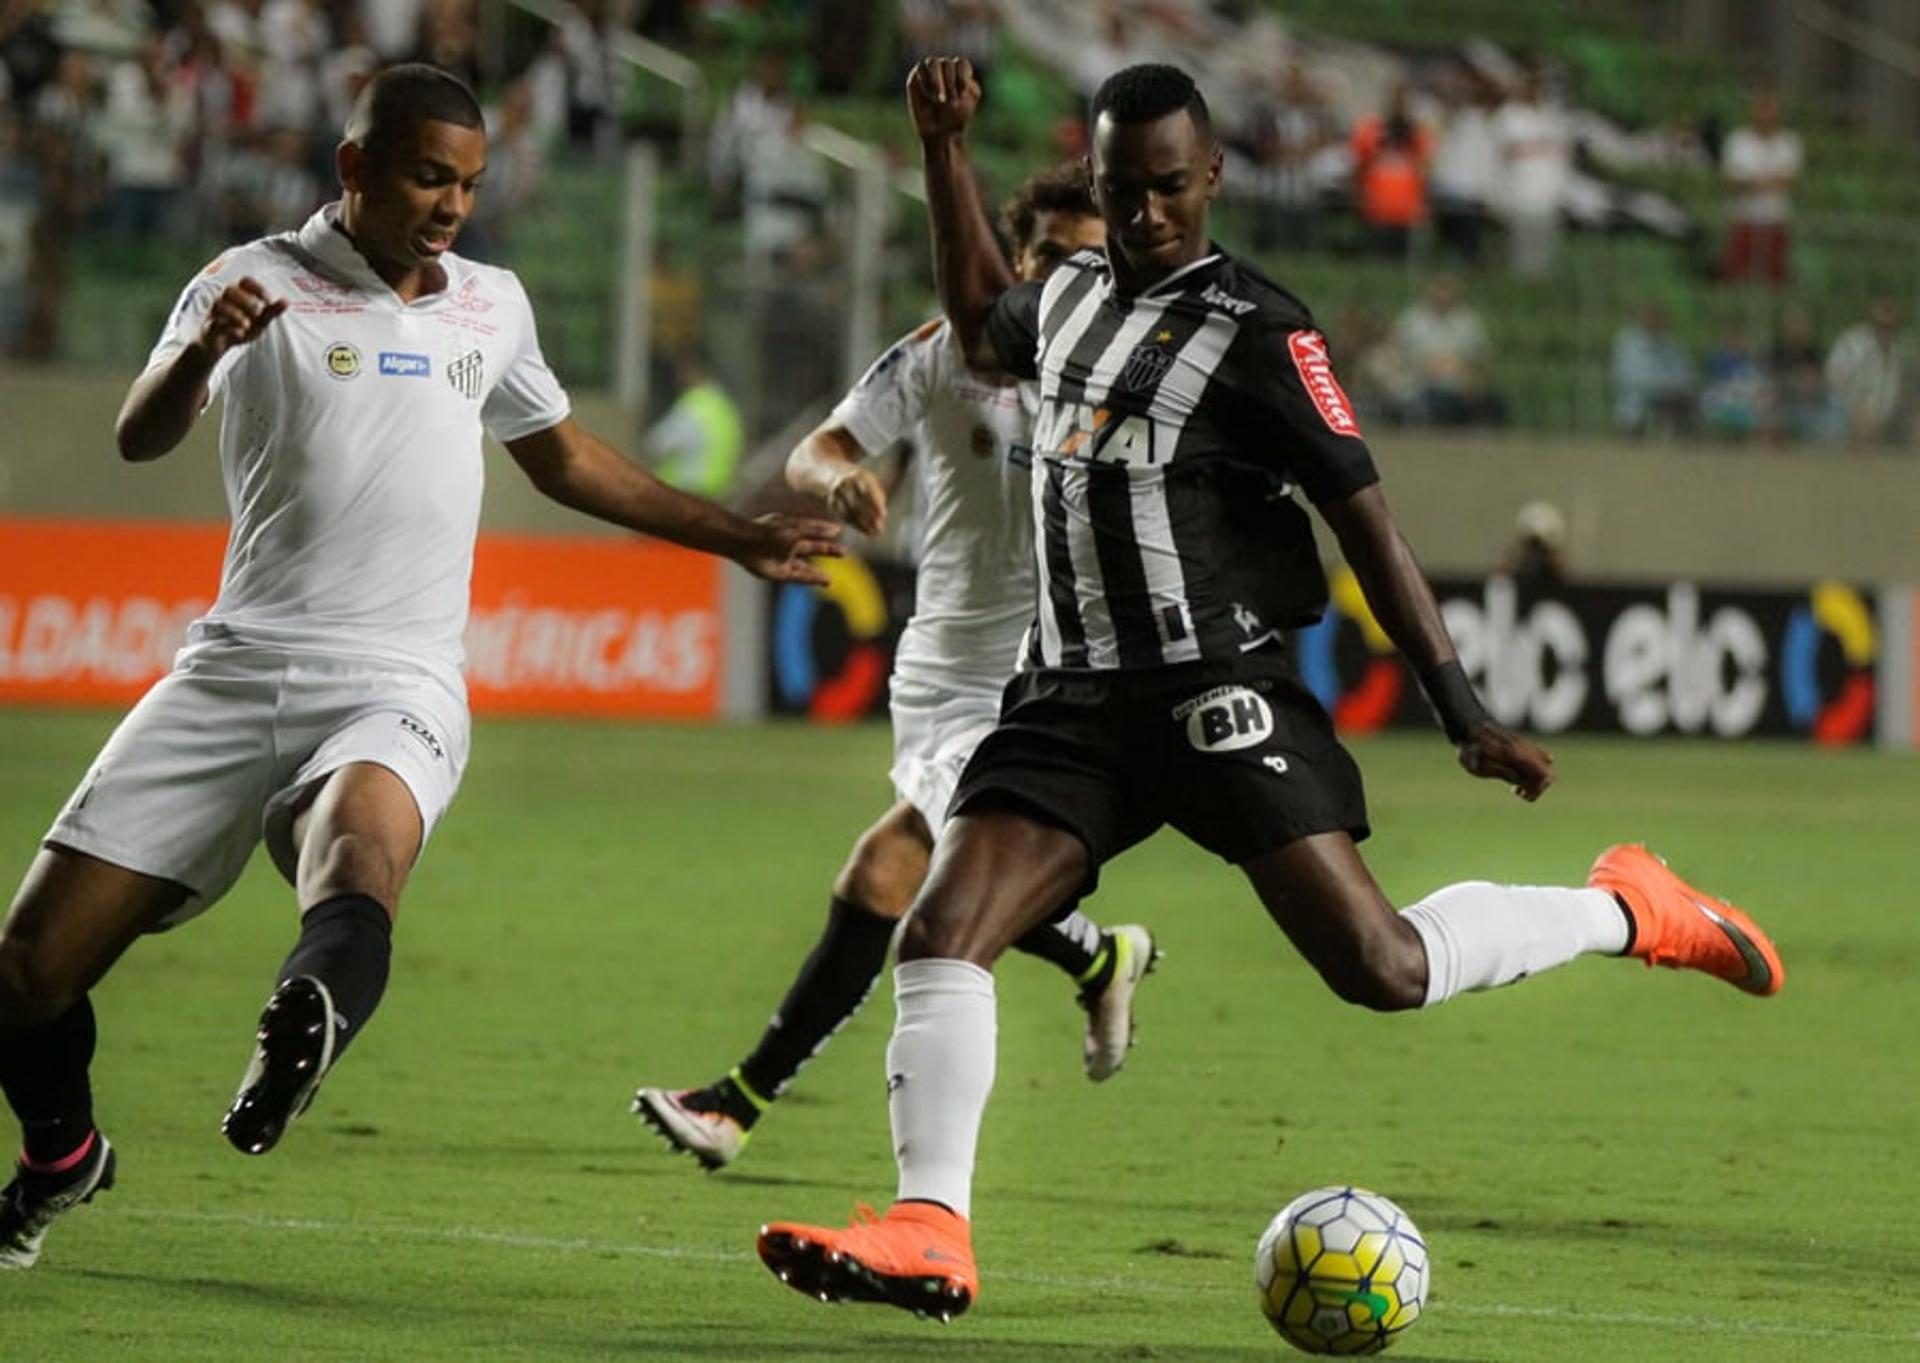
point(949, 1346)
point(1103, 1198)
point(682, 1169)
point(953, 1346)
point(1760, 1245)
point(228, 1290)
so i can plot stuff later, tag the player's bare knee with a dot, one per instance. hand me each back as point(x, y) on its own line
point(352, 863)
point(880, 879)
point(887, 865)
point(30, 994)
point(921, 939)
point(931, 933)
point(1386, 977)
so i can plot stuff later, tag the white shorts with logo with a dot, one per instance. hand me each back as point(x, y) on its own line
point(936, 727)
point(227, 748)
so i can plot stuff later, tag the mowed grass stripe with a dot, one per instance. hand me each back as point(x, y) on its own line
point(1611, 1164)
point(387, 1230)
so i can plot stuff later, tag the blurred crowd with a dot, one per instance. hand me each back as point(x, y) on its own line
point(1482, 153)
point(1857, 389)
point(124, 122)
point(1435, 363)
point(215, 121)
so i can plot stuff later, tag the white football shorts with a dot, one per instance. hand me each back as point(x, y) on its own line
point(935, 730)
point(232, 744)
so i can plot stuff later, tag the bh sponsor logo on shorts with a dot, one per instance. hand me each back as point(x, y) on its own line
point(1225, 719)
point(401, 364)
point(343, 361)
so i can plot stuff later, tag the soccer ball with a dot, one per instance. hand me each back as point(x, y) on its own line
point(1341, 1271)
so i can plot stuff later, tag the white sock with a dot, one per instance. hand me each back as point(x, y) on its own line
point(939, 1073)
point(1480, 935)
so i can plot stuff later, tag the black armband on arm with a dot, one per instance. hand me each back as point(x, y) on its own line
point(1453, 700)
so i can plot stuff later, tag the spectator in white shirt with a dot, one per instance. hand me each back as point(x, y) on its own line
point(1536, 148)
point(1870, 373)
point(1466, 167)
point(142, 131)
point(1445, 345)
point(1760, 163)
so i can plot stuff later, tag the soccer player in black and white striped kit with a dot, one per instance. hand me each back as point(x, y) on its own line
point(1184, 399)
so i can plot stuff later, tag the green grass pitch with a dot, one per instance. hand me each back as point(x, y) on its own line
point(1609, 1163)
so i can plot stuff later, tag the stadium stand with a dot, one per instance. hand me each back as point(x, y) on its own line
point(1647, 109)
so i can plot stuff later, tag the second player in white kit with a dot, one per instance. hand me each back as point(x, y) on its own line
point(973, 599)
point(973, 592)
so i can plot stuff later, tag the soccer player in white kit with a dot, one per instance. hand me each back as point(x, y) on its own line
point(319, 703)
point(973, 598)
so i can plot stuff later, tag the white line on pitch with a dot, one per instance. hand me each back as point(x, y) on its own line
point(574, 1245)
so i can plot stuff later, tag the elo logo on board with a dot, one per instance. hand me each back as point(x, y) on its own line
point(343, 361)
point(1226, 719)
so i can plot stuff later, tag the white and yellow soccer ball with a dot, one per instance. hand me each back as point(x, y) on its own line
point(1341, 1271)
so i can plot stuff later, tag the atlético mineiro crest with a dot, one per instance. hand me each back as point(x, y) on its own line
point(464, 374)
point(1147, 364)
point(1309, 351)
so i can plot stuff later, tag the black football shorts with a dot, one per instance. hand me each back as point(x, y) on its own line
point(1237, 755)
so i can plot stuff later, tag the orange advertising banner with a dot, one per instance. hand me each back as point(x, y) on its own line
point(92, 612)
point(594, 627)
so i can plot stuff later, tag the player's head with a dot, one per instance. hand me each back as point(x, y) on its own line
point(410, 165)
point(1156, 168)
point(1051, 216)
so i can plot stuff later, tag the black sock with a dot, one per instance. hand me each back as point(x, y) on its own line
point(832, 984)
point(346, 943)
point(43, 1070)
point(728, 1096)
point(1049, 943)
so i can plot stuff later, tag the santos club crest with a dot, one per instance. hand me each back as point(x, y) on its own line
point(464, 374)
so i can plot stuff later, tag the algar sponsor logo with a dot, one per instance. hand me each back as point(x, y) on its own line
point(403, 364)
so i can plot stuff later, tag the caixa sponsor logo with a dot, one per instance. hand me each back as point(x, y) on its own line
point(1225, 719)
point(1309, 351)
point(401, 364)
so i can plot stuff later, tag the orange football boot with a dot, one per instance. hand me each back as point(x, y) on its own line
point(918, 1257)
point(1678, 926)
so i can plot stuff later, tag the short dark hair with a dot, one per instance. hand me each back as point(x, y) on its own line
point(1064, 188)
point(1151, 90)
point(399, 99)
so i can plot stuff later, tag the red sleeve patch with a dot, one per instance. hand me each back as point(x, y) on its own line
point(1309, 351)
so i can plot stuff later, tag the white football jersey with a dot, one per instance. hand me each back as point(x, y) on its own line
point(974, 593)
point(351, 444)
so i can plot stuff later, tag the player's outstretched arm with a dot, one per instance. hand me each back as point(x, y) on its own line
point(579, 470)
point(1403, 603)
point(162, 404)
point(968, 269)
point(827, 467)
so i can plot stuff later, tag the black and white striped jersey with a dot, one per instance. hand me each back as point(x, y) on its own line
point(1173, 427)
